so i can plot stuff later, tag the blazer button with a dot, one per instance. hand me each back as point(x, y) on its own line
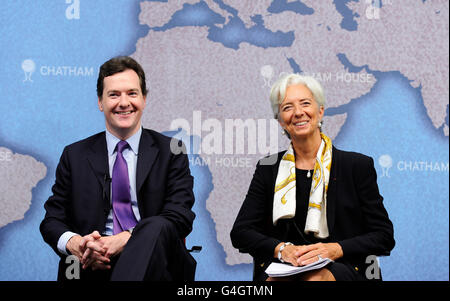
point(356, 269)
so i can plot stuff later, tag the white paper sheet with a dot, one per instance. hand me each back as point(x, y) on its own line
point(284, 269)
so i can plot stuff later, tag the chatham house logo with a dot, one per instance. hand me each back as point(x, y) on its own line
point(427, 166)
point(28, 67)
point(385, 162)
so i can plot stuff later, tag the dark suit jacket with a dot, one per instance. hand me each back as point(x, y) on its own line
point(356, 217)
point(81, 203)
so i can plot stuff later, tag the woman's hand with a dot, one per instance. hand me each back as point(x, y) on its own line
point(287, 254)
point(310, 253)
point(304, 255)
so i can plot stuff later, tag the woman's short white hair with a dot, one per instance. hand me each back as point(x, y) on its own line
point(278, 91)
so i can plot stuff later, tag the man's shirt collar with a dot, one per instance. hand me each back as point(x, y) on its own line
point(133, 141)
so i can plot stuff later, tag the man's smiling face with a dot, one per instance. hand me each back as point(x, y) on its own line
point(122, 103)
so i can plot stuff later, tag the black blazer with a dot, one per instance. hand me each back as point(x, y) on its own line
point(81, 194)
point(356, 217)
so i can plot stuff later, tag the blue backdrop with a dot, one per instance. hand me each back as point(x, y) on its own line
point(50, 54)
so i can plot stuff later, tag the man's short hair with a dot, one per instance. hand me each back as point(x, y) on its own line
point(120, 64)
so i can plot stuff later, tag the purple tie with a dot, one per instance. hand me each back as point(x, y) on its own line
point(123, 216)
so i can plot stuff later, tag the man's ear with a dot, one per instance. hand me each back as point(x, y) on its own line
point(100, 105)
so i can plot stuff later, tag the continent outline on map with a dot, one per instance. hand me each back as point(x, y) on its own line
point(191, 83)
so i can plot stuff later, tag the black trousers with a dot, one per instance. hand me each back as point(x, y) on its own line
point(154, 252)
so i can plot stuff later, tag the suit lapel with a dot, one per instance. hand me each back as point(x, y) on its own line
point(147, 155)
point(98, 160)
point(332, 190)
point(275, 168)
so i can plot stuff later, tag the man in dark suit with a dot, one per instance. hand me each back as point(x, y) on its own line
point(122, 198)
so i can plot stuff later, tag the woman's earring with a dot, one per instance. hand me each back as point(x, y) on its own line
point(320, 124)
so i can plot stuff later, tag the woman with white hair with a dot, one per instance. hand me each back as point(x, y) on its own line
point(315, 201)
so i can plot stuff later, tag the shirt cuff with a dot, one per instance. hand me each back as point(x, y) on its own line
point(62, 242)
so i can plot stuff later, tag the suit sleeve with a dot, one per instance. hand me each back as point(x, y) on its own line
point(250, 232)
point(179, 194)
point(56, 220)
point(378, 237)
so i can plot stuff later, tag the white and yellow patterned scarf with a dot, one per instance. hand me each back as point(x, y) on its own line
point(284, 200)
